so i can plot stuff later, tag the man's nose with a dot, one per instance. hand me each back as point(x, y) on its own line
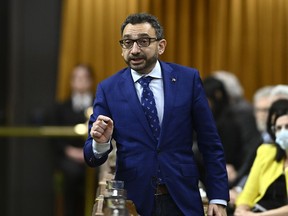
point(135, 48)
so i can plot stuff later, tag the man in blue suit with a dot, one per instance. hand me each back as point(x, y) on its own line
point(159, 170)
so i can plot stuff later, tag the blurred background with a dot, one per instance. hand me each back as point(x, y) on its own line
point(41, 41)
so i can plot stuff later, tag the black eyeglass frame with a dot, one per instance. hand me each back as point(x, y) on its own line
point(138, 41)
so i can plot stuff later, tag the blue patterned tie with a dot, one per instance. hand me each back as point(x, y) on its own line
point(149, 105)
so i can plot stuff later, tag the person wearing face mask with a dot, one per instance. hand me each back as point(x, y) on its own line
point(265, 192)
point(282, 138)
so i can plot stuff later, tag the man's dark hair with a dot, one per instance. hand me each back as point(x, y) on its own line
point(144, 18)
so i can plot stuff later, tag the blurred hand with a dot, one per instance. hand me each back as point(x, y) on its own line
point(243, 212)
point(233, 196)
point(75, 153)
point(231, 172)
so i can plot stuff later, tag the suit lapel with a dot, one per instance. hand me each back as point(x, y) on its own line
point(127, 88)
point(170, 85)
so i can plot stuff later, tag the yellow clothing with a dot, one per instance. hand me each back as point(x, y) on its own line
point(264, 172)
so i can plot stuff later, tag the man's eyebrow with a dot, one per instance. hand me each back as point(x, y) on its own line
point(139, 35)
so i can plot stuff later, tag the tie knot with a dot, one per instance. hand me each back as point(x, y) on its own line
point(144, 81)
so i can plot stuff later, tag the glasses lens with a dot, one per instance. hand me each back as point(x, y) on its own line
point(127, 43)
point(143, 42)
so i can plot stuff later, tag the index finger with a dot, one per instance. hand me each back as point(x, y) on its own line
point(106, 119)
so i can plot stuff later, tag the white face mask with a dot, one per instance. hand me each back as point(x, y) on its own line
point(282, 139)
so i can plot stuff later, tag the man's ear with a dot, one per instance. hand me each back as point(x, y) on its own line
point(161, 46)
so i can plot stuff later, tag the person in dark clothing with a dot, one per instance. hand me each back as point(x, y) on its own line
point(228, 127)
point(70, 161)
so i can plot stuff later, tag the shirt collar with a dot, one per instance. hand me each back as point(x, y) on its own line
point(155, 73)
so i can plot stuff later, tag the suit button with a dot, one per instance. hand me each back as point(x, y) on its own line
point(158, 150)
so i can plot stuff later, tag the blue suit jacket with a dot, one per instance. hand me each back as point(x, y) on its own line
point(139, 156)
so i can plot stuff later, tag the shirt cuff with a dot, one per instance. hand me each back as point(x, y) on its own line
point(100, 149)
point(218, 201)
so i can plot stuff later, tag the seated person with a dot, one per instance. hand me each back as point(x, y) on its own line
point(273, 94)
point(261, 104)
point(228, 126)
point(265, 190)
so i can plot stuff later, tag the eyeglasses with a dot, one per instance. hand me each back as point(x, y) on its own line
point(278, 128)
point(141, 42)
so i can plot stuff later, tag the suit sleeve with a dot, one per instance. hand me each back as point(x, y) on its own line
point(209, 144)
point(99, 107)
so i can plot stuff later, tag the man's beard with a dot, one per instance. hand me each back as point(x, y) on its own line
point(147, 65)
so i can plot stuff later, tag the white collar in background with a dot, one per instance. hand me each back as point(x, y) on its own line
point(81, 101)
